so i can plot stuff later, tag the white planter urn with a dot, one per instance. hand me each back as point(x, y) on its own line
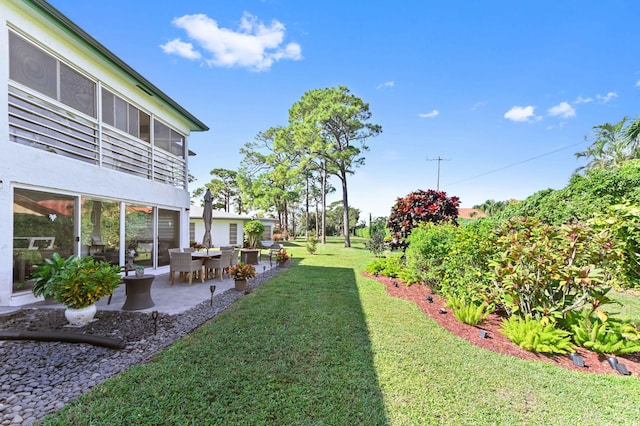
point(80, 317)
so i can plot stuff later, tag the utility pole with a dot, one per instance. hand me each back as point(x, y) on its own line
point(438, 159)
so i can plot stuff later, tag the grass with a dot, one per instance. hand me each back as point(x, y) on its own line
point(322, 345)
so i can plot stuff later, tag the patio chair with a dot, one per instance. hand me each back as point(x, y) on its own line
point(188, 250)
point(218, 263)
point(183, 263)
point(234, 257)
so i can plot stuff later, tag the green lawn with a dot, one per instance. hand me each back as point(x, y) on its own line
point(321, 345)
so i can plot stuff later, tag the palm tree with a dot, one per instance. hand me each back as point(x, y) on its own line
point(612, 146)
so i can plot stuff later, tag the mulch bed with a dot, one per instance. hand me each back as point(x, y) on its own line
point(496, 341)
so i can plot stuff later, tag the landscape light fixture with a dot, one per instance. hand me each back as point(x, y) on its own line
point(484, 334)
point(443, 311)
point(429, 299)
point(577, 359)
point(622, 369)
point(154, 316)
point(613, 362)
point(395, 284)
point(212, 289)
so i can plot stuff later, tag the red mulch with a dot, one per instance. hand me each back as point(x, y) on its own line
point(497, 342)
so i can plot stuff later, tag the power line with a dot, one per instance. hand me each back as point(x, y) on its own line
point(515, 164)
point(438, 159)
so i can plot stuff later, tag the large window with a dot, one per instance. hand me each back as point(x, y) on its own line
point(138, 230)
point(43, 224)
point(100, 233)
point(120, 114)
point(168, 139)
point(168, 234)
point(40, 71)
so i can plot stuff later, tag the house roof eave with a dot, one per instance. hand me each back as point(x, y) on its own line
point(141, 82)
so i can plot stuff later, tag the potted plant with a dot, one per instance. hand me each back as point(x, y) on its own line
point(282, 256)
point(46, 274)
point(241, 272)
point(80, 283)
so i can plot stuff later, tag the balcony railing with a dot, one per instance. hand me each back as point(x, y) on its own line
point(40, 124)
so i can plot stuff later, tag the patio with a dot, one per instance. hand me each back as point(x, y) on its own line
point(179, 297)
point(168, 299)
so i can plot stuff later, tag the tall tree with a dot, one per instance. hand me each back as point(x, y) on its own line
point(613, 145)
point(224, 188)
point(268, 173)
point(331, 124)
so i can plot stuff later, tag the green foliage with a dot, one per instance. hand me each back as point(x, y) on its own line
point(623, 221)
point(466, 272)
point(48, 273)
point(242, 271)
point(253, 230)
point(83, 281)
point(419, 207)
point(332, 125)
point(429, 246)
point(536, 336)
point(469, 313)
point(545, 271)
point(389, 266)
point(376, 243)
point(312, 244)
point(584, 196)
point(606, 335)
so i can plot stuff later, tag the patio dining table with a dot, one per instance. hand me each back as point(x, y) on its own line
point(204, 255)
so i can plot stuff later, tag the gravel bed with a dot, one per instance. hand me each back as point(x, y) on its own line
point(38, 378)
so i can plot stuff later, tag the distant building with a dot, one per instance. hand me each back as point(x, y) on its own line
point(227, 229)
point(94, 156)
point(470, 213)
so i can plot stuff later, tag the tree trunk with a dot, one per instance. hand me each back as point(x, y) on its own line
point(345, 203)
point(306, 214)
point(324, 203)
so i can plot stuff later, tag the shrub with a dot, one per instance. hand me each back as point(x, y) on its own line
point(532, 335)
point(421, 206)
point(623, 221)
point(253, 230)
point(428, 249)
point(606, 335)
point(376, 243)
point(545, 271)
point(312, 244)
point(469, 313)
point(465, 272)
point(389, 266)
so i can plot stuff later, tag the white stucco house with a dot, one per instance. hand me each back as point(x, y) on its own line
point(227, 229)
point(94, 156)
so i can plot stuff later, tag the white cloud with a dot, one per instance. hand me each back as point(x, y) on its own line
point(478, 105)
point(518, 113)
point(431, 114)
point(581, 100)
point(386, 84)
point(180, 48)
point(638, 83)
point(563, 109)
point(606, 98)
point(254, 45)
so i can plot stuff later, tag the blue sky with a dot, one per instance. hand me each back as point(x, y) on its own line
point(503, 91)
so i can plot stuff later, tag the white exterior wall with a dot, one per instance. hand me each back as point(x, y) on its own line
point(219, 231)
point(25, 167)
